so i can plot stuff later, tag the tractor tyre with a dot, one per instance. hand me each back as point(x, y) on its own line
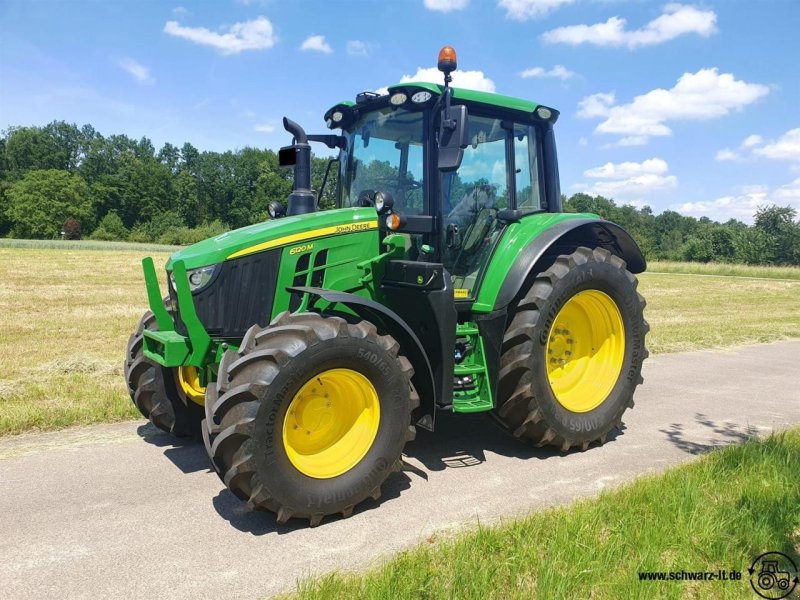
point(310, 416)
point(572, 353)
point(161, 394)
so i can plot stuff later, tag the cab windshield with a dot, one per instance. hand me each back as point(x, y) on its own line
point(385, 152)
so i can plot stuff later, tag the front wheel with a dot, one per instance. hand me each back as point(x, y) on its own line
point(170, 398)
point(572, 354)
point(310, 416)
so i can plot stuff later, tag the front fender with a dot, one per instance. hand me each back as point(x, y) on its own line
point(391, 323)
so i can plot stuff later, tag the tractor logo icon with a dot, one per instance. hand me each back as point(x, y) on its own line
point(773, 575)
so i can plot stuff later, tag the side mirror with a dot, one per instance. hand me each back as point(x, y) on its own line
point(453, 137)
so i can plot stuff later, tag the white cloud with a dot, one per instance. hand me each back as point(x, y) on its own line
point(596, 105)
point(676, 20)
point(525, 10)
point(446, 6)
point(137, 70)
point(629, 182)
point(707, 94)
point(583, 142)
point(726, 154)
point(473, 80)
point(316, 43)
point(653, 166)
point(630, 140)
point(632, 189)
point(358, 48)
point(264, 128)
point(743, 205)
point(180, 11)
point(786, 147)
point(257, 34)
point(789, 194)
point(557, 72)
point(752, 140)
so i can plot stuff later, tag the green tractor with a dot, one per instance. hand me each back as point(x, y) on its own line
point(306, 350)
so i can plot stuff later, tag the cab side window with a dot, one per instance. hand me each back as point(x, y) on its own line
point(528, 167)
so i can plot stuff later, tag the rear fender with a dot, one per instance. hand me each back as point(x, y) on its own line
point(563, 238)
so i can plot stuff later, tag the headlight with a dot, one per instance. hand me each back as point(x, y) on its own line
point(383, 201)
point(198, 278)
point(398, 98)
point(276, 210)
point(421, 97)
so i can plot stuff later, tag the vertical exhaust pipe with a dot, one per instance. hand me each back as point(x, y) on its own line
point(302, 199)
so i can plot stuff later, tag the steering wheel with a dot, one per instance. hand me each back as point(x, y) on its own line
point(365, 198)
point(397, 183)
point(477, 230)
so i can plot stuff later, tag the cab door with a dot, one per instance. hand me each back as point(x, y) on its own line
point(500, 170)
point(473, 195)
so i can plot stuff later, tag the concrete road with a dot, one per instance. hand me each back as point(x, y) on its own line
point(120, 511)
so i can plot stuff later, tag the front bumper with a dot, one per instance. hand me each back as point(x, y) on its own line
point(166, 346)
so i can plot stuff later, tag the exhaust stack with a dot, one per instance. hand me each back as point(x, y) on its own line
point(302, 199)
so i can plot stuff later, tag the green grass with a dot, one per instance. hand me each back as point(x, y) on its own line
point(719, 512)
point(726, 269)
point(69, 310)
point(84, 245)
point(67, 317)
point(693, 313)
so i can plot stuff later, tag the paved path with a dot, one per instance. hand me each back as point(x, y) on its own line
point(118, 511)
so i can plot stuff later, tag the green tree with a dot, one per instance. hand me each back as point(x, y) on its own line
point(754, 247)
point(778, 222)
point(43, 200)
point(698, 249)
point(111, 227)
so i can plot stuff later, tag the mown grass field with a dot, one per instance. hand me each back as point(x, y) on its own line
point(719, 512)
point(68, 315)
point(69, 308)
point(724, 269)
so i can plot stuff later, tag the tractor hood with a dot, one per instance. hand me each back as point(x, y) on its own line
point(275, 233)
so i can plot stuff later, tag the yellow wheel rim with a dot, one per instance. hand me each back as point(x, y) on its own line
point(331, 423)
point(189, 382)
point(585, 351)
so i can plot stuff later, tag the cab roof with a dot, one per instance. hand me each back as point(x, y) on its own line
point(488, 99)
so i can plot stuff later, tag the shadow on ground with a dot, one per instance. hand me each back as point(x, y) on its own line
point(187, 454)
point(727, 433)
point(460, 441)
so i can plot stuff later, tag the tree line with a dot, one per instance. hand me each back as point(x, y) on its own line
point(61, 180)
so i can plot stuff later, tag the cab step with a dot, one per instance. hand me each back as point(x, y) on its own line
point(471, 390)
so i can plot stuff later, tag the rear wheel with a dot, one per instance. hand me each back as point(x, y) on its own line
point(171, 398)
point(572, 354)
point(310, 416)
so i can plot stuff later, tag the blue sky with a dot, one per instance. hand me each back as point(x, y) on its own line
point(691, 107)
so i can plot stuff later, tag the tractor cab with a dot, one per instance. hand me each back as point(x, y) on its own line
point(446, 167)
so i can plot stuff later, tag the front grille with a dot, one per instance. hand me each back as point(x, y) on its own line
point(240, 295)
